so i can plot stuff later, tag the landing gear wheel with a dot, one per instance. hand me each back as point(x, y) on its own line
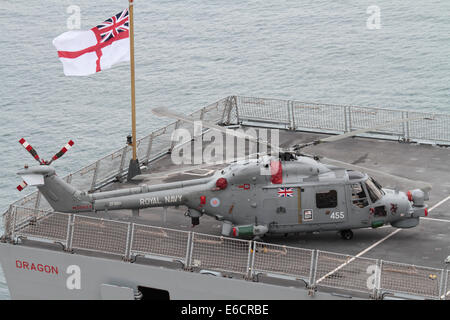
point(346, 234)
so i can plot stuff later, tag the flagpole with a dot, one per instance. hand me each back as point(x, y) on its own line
point(134, 168)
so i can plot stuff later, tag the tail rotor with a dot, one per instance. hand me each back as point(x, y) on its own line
point(42, 162)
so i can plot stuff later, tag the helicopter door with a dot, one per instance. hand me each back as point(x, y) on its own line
point(324, 204)
point(282, 204)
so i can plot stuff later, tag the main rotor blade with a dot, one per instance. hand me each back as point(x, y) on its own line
point(161, 111)
point(357, 132)
point(424, 186)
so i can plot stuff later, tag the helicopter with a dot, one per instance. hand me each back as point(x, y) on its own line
point(300, 194)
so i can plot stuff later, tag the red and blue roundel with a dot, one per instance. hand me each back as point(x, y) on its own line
point(215, 202)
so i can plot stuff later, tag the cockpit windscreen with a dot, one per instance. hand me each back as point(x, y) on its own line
point(374, 190)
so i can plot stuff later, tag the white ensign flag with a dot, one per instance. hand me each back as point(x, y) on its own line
point(86, 52)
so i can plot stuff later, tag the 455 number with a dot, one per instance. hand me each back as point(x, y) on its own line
point(337, 215)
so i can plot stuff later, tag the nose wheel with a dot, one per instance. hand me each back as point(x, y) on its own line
point(346, 234)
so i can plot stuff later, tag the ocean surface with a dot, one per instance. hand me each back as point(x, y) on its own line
point(192, 53)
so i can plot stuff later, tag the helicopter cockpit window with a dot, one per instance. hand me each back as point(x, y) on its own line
point(326, 199)
point(359, 197)
point(379, 187)
point(375, 194)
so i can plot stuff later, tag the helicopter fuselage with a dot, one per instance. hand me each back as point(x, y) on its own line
point(259, 196)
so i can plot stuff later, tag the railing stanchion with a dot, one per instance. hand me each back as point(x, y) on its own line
point(38, 200)
point(94, 177)
point(377, 282)
point(129, 244)
point(249, 259)
point(407, 128)
point(122, 160)
point(345, 119)
point(349, 119)
point(13, 229)
point(69, 232)
point(190, 248)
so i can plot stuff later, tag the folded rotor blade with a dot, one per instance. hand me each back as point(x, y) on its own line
point(167, 113)
point(424, 186)
point(358, 132)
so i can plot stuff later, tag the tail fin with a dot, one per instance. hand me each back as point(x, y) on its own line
point(59, 194)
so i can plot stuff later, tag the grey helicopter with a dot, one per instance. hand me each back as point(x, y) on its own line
point(300, 194)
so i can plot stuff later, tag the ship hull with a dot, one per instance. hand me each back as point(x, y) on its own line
point(35, 273)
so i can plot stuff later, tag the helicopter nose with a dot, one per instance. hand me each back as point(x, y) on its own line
point(417, 200)
point(417, 197)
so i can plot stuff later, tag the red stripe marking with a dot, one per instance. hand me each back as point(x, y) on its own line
point(276, 172)
point(94, 48)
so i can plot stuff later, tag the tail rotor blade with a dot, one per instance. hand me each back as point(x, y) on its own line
point(30, 149)
point(62, 151)
point(22, 186)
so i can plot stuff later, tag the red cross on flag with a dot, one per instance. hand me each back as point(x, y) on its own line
point(86, 52)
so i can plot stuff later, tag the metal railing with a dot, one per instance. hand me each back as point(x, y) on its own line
point(410, 279)
point(163, 242)
point(219, 253)
point(339, 271)
point(319, 117)
point(272, 259)
point(372, 278)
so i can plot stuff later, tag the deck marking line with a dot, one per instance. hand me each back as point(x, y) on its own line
point(439, 203)
point(434, 219)
point(374, 245)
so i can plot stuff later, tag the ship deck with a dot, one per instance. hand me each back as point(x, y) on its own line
point(425, 245)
